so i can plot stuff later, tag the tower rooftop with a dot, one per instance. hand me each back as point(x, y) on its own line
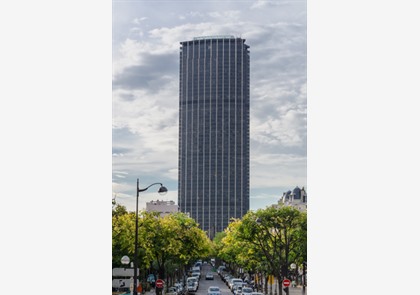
point(214, 37)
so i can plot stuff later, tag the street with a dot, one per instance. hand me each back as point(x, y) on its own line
point(205, 284)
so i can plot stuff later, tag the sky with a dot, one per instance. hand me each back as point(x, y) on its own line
point(146, 39)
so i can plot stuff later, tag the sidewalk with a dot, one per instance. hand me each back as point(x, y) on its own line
point(292, 291)
point(297, 291)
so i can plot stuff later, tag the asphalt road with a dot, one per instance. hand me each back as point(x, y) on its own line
point(205, 284)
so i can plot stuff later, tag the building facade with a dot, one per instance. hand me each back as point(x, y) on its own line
point(297, 198)
point(163, 207)
point(213, 180)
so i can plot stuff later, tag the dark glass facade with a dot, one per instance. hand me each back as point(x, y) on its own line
point(214, 130)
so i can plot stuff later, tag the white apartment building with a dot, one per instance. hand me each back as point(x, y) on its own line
point(163, 207)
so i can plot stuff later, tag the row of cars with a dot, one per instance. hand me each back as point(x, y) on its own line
point(236, 285)
point(193, 282)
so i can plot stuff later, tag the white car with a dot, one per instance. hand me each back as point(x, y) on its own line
point(246, 291)
point(192, 284)
point(221, 268)
point(233, 281)
point(237, 289)
point(213, 290)
point(196, 274)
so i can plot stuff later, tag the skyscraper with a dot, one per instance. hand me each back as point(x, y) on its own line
point(213, 180)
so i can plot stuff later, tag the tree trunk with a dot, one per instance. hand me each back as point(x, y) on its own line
point(265, 284)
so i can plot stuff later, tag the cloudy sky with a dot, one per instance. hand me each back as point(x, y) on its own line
point(146, 41)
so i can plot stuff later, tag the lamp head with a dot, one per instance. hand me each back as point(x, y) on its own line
point(162, 190)
point(125, 260)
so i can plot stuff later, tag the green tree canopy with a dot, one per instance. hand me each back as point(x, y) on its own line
point(174, 238)
point(267, 240)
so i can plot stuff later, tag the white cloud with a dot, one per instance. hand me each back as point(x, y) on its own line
point(137, 21)
point(259, 4)
point(223, 15)
point(277, 170)
point(129, 54)
point(287, 129)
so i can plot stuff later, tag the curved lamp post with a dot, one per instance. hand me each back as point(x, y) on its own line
point(162, 190)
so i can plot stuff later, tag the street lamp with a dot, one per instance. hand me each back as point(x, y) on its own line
point(125, 260)
point(162, 190)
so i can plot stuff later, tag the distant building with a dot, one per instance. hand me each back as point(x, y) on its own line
point(163, 207)
point(296, 198)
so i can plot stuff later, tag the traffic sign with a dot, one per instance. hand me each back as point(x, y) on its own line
point(286, 282)
point(123, 272)
point(159, 283)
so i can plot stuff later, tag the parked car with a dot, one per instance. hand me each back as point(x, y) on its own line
point(237, 289)
point(196, 274)
point(226, 277)
point(221, 268)
point(233, 281)
point(192, 284)
point(227, 280)
point(246, 291)
point(213, 290)
point(209, 276)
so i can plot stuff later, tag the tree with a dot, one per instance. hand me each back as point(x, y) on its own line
point(118, 210)
point(277, 234)
point(123, 227)
point(230, 247)
point(175, 237)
